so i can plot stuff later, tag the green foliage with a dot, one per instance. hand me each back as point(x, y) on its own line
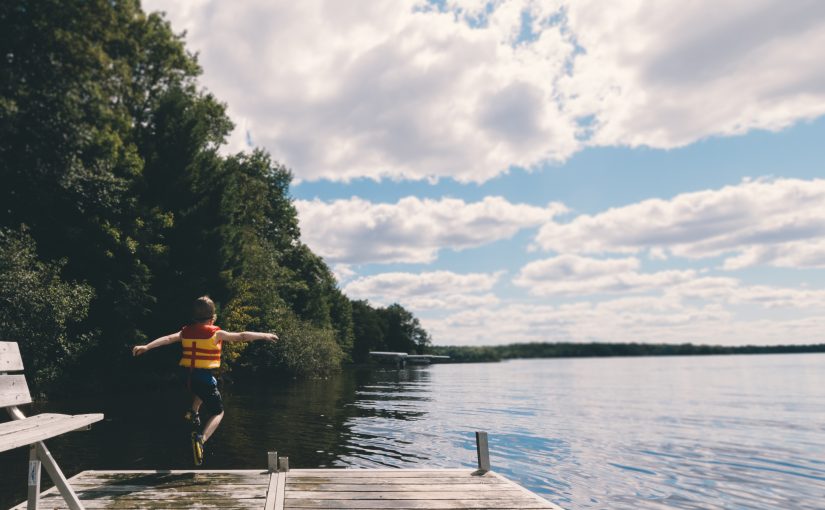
point(386, 329)
point(108, 157)
point(40, 311)
point(306, 349)
point(76, 82)
point(368, 331)
point(402, 331)
point(467, 354)
point(303, 350)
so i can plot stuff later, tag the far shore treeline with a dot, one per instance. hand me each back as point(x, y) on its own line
point(466, 354)
point(118, 210)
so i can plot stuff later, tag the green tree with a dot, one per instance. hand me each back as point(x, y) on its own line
point(109, 158)
point(41, 311)
point(402, 330)
point(76, 81)
point(368, 331)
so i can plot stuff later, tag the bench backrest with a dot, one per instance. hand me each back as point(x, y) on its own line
point(13, 388)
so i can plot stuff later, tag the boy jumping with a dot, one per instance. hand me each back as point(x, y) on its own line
point(202, 342)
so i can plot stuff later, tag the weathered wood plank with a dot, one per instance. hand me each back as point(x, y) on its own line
point(17, 426)
point(235, 502)
point(210, 472)
point(10, 360)
point(415, 504)
point(175, 477)
point(166, 495)
point(57, 476)
point(55, 503)
point(14, 391)
point(43, 430)
point(272, 490)
point(177, 488)
point(182, 489)
point(34, 478)
point(366, 490)
point(394, 481)
point(174, 480)
point(382, 473)
point(364, 486)
point(398, 495)
point(280, 496)
point(525, 492)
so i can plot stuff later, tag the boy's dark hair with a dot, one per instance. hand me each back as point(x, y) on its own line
point(203, 309)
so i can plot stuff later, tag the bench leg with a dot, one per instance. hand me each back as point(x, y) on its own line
point(34, 479)
point(57, 477)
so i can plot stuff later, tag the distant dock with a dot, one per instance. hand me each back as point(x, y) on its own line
point(401, 359)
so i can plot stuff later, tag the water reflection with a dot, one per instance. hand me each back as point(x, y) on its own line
point(710, 432)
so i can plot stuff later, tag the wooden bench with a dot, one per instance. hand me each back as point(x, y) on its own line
point(32, 431)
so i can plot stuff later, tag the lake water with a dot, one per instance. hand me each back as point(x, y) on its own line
point(679, 432)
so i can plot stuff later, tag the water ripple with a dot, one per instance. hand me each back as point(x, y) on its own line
point(718, 432)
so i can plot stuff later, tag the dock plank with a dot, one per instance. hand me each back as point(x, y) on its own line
point(435, 478)
point(404, 488)
point(59, 504)
point(272, 491)
point(379, 486)
point(323, 489)
point(422, 494)
point(413, 504)
point(385, 473)
point(279, 497)
point(164, 489)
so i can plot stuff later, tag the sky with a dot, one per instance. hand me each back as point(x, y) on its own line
point(544, 171)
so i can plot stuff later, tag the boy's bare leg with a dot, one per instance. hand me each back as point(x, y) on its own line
point(211, 425)
point(196, 403)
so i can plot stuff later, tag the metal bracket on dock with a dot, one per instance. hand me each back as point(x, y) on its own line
point(483, 452)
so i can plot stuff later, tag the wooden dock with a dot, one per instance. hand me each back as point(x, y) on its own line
point(326, 489)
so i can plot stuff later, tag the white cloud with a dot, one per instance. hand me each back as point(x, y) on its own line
point(343, 272)
point(437, 290)
point(464, 309)
point(384, 88)
point(807, 253)
point(399, 88)
point(779, 222)
point(575, 275)
point(729, 291)
point(702, 309)
point(657, 253)
point(648, 319)
point(666, 74)
point(356, 231)
point(405, 90)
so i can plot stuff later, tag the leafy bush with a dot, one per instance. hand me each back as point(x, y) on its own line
point(40, 311)
point(303, 350)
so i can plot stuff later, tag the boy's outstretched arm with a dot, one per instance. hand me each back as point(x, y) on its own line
point(246, 336)
point(157, 342)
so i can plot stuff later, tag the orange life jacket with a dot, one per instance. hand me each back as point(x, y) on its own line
point(201, 347)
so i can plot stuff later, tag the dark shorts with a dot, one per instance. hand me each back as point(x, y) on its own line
point(202, 383)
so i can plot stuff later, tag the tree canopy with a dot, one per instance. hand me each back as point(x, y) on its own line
point(119, 209)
